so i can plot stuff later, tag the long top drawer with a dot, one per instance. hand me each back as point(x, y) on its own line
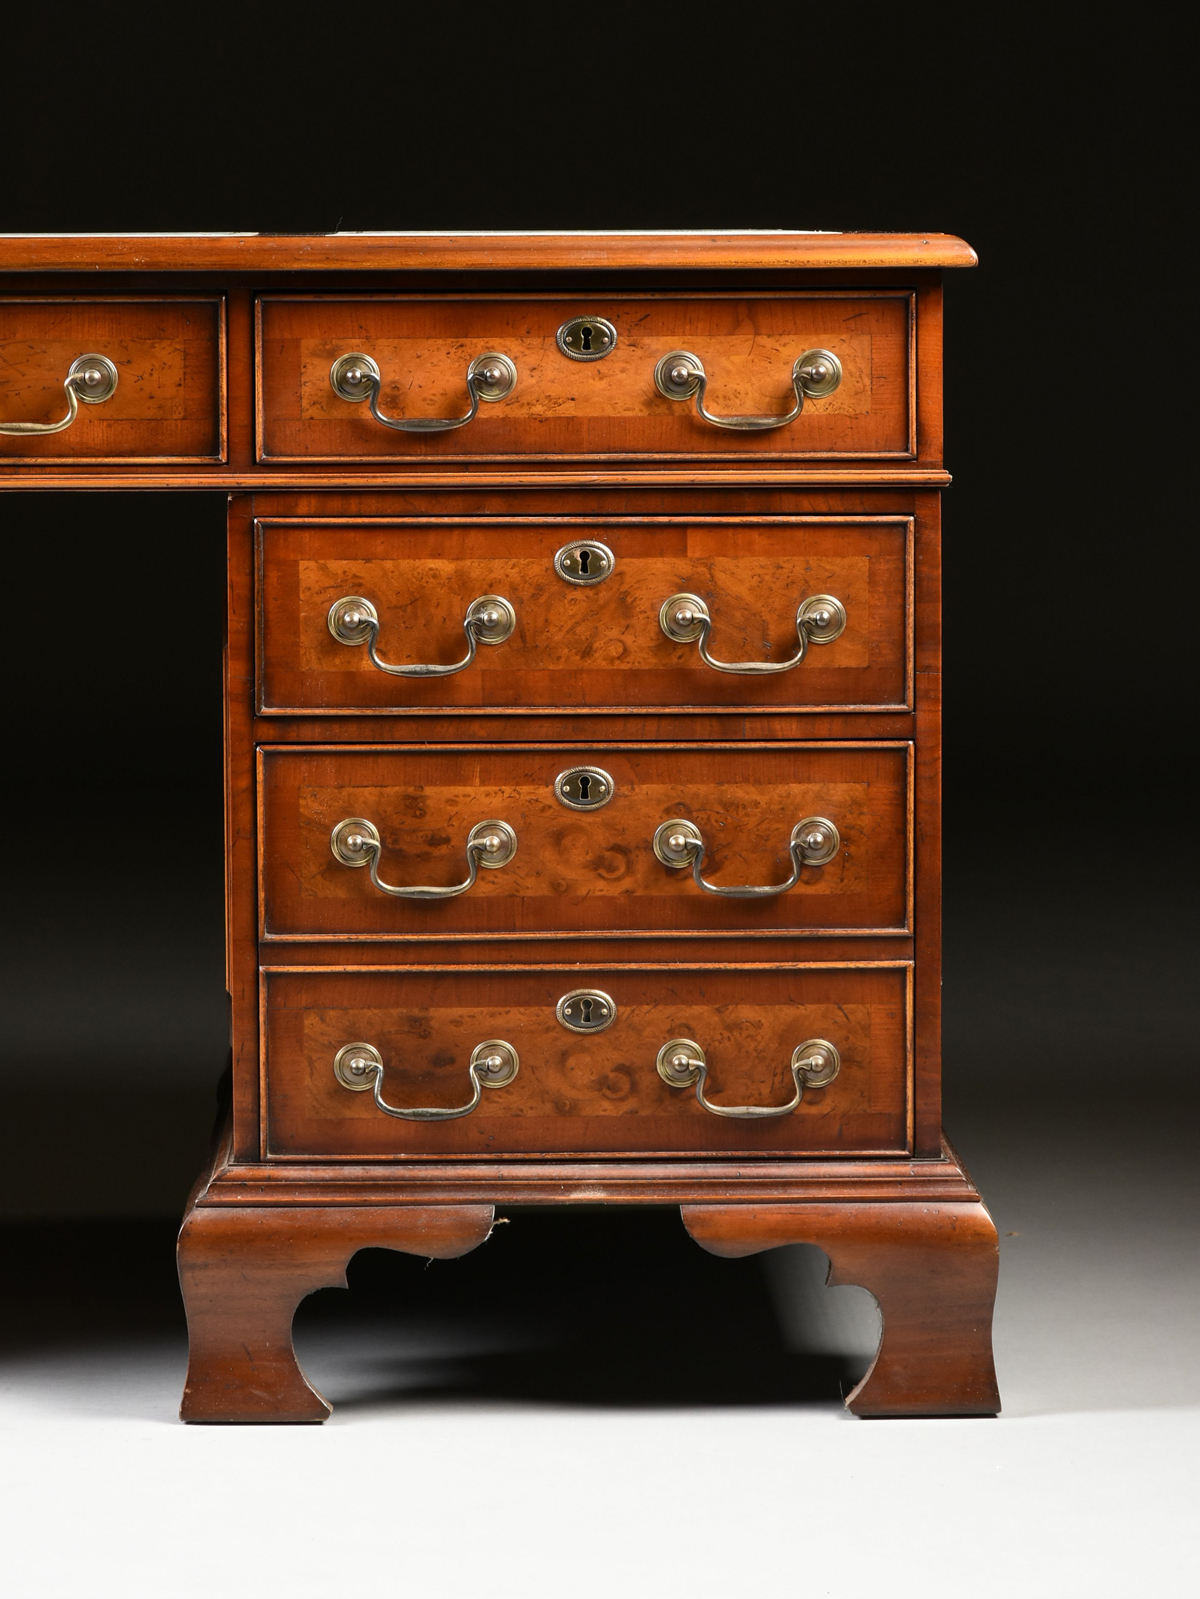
point(373, 378)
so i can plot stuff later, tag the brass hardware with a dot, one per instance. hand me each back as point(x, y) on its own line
point(584, 562)
point(679, 844)
point(676, 842)
point(94, 378)
point(682, 1062)
point(356, 842)
point(817, 1061)
point(351, 376)
point(587, 338)
point(356, 377)
point(685, 619)
point(679, 1062)
point(493, 1064)
point(90, 378)
point(584, 788)
point(496, 1062)
point(586, 1010)
point(355, 1066)
point(821, 618)
point(679, 375)
point(353, 620)
point(493, 376)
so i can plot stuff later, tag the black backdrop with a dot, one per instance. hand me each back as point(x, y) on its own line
point(1069, 609)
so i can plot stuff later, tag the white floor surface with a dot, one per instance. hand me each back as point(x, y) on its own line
point(1086, 1488)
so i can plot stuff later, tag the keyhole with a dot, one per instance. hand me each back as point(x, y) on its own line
point(585, 558)
point(585, 1006)
point(585, 792)
point(585, 335)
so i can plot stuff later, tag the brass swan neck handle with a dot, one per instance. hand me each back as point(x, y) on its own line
point(90, 378)
point(679, 843)
point(679, 375)
point(356, 377)
point(353, 620)
point(815, 1063)
point(685, 619)
point(493, 1064)
point(356, 842)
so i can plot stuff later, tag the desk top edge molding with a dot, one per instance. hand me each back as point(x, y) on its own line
point(260, 252)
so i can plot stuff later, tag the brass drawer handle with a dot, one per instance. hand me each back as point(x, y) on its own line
point(489, 620)
point(685, 619)
point(356, 378)
point(91, 378)
point(815, 1063)
point(356, 842)
point(493, 1064)
point(681, 374)
point(814, 842)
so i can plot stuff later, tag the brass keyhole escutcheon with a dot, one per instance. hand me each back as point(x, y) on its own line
point(587, 338)
point(586, 1010)
point(584, 562)
point(584, 788)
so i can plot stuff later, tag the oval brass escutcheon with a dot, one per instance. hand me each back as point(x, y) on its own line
point(586, 1010)
point(584, 562)
point(584, 788)
point(587, 338)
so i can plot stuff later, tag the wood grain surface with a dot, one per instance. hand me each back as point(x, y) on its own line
point(590, 646)
point(610, 408)
point(169, 403)
point(582, 872)
point(580, 1093)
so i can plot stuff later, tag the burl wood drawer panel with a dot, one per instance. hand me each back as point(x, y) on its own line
point(169, 358)
point(582, 872)
point(748, 345)
point(593, 1093)
point(592, 644)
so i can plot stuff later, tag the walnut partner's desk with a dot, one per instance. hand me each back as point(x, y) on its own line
point(582, 754)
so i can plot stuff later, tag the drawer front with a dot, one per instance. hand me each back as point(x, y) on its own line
point(747, 344)
point(168, 356)
point(577, 872)
point(585, 1093)
point(590, 638)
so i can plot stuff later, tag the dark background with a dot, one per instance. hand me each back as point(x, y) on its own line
point(1069, 609)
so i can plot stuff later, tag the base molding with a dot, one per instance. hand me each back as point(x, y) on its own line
point(257, 1239)
point(562, 1181)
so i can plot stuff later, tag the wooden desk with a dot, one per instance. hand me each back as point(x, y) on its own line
point(582, 755)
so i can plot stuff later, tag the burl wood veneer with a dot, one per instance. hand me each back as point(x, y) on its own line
point(607, 409)
point(585, 647)
point(582, 872)
point(526, 1030)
